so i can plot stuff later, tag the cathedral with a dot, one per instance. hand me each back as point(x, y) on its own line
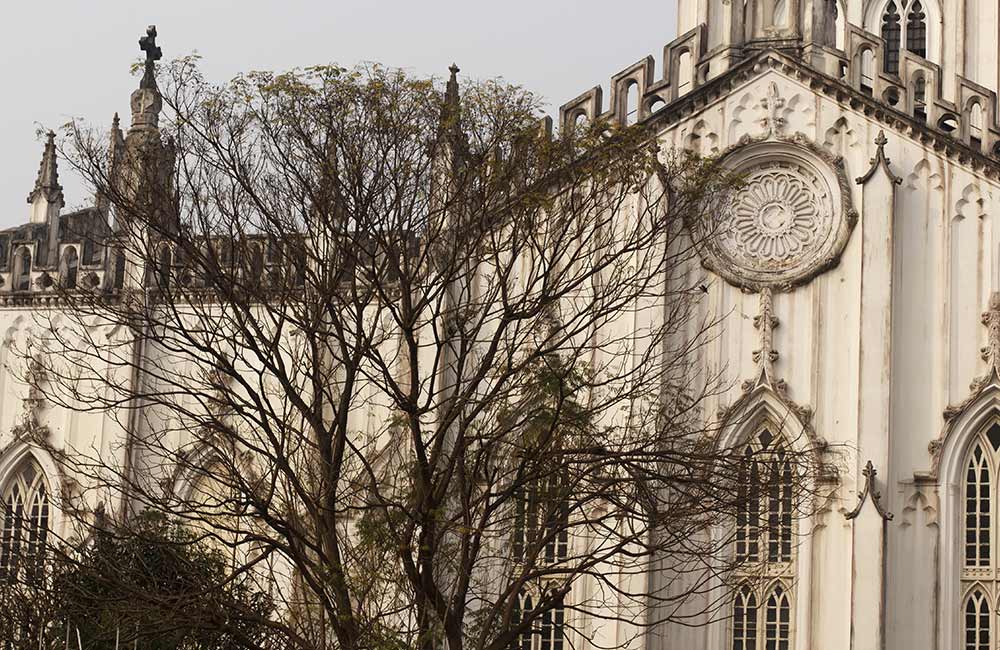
point(861, 270)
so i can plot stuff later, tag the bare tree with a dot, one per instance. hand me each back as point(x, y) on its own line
point(424, 372)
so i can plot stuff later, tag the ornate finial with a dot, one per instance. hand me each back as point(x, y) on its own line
point(451, 98)
point(115, 121)
point(880, 160)
point(153, 54)
point(765, 322)
point(869, 473)
point(772, 103)
point(47, 181)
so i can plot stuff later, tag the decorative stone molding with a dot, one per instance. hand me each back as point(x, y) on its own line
point(983, 399)
point(990, 353)
point(730, 81)
point(792, 219)
point(766, 396)
point(919, 494)
point(870, 490)
point(880, 161)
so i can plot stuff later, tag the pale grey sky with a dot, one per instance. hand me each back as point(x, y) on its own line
point(68, 58)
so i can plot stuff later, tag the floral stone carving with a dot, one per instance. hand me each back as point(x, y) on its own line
point(789, 221)
point(779, 217)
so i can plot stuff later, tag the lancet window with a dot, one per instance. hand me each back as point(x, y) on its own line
point(980, 577)
point(25, 530)
point(891, 33)
point(764, 546)
point(541, 537)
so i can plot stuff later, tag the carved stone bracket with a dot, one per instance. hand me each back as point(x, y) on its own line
point(870, 473)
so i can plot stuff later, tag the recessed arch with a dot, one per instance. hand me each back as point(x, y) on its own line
point(952, 457)
point(22, 270)
point(69, 266)
point(631, 102)
point(29, 479)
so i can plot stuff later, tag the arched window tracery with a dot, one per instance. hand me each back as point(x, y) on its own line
point(26, 522)
point(764, 546)
point(541, 532)
point(980, 579)
point(916, 29)
point(891, 34)
point(977, 621)
point(903, 23)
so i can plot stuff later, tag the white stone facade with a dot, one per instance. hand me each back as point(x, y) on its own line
point(857, 274)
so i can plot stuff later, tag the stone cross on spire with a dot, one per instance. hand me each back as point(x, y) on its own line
point(153, 54)
point(146, 101)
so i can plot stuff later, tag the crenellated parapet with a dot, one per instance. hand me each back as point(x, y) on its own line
point(916, 90)
point(636, 91)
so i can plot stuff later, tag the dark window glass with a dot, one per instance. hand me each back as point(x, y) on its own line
point(891, 34)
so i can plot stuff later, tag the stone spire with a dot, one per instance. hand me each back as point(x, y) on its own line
point(116, 154)
point(451, 113)
point(46, 198)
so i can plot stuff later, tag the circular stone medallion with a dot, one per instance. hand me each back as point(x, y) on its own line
point(789, 221)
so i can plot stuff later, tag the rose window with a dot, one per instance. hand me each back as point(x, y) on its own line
point(777, 217)
point(788, 221)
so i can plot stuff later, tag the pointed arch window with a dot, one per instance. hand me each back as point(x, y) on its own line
point(764, 546)
point(980, 580)
point(891, 34)
point(25, 527)
point(916, 29)
point(541, 536)
point(903, 23)
point(977, 621)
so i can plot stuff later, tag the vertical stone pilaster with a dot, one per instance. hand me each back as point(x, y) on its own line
point(878, 189)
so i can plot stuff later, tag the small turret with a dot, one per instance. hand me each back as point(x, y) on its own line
point(46, 198)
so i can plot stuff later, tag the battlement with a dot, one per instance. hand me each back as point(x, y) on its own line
point(917, 90)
